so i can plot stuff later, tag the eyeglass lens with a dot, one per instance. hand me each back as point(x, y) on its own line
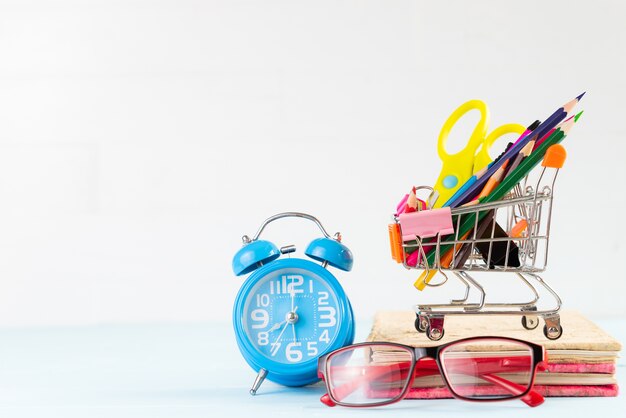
point(369, 374)
point(488, 368)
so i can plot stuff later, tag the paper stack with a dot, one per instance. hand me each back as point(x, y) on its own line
point(580, 363)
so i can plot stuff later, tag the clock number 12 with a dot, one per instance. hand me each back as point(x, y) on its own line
point(287, 284)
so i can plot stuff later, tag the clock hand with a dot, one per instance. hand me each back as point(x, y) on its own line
point(293, 297)
point(283, 330)
point(280, 335)
point(281, 323)
point(276, 326)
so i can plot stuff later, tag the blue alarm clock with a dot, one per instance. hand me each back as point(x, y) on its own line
point(290, 311)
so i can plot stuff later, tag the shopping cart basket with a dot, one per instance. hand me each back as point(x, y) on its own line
point(508, 236)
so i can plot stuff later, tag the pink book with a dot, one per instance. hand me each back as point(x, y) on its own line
point(591, 379)
point(561, 379)
point(545, 390)
point(606, 368)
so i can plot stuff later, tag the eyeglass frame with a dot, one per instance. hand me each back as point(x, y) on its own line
point(539, 359)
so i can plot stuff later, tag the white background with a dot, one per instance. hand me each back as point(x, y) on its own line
point(140, 139)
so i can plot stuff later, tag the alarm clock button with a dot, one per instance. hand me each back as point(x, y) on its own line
point(332, 252)
point(288, 249)
point(254, 255)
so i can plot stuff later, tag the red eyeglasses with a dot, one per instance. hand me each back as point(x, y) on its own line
point(473, 369)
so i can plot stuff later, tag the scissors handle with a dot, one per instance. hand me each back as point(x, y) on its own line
point(482, 158)
point(478, 135)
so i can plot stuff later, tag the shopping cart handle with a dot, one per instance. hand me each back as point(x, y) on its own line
point(555, 156)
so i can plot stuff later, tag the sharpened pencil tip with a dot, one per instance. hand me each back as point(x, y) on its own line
point(569, 106)
point(581, 96)
point(578, 116)
point(567, 126)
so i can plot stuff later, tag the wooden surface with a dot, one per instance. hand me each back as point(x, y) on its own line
point(579, 333)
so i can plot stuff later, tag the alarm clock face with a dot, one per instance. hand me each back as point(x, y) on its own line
point(291, 315)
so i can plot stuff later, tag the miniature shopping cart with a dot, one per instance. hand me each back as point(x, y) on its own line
point(508, 236)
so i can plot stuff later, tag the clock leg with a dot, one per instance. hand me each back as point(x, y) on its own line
point(257, 382)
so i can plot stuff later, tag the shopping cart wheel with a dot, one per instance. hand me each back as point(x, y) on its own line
point(421, 323)
point(553, 332)
point(434, 329)
point(434, 334)
point(530, 321)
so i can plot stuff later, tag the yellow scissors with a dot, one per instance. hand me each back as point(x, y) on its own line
point(458, 168)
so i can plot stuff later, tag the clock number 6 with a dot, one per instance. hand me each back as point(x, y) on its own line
point(293, 355)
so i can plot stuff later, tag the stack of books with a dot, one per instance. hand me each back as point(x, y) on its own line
point(580, 363)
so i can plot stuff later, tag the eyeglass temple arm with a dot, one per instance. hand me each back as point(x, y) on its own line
point(428, 367)
point(532, 398)
point(487, 367)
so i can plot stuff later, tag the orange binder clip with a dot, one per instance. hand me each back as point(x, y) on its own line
point(395, 242)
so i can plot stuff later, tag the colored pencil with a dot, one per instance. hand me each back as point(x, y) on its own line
point(411, 202)
point(552, 121)
point(525, 152)
point(529, 129)
point(494, 180)
point(575, 117)
point(468, 221)
point(528, 164)
point(479, 174)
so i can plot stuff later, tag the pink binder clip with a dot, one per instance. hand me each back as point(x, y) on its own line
point(424, 224)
